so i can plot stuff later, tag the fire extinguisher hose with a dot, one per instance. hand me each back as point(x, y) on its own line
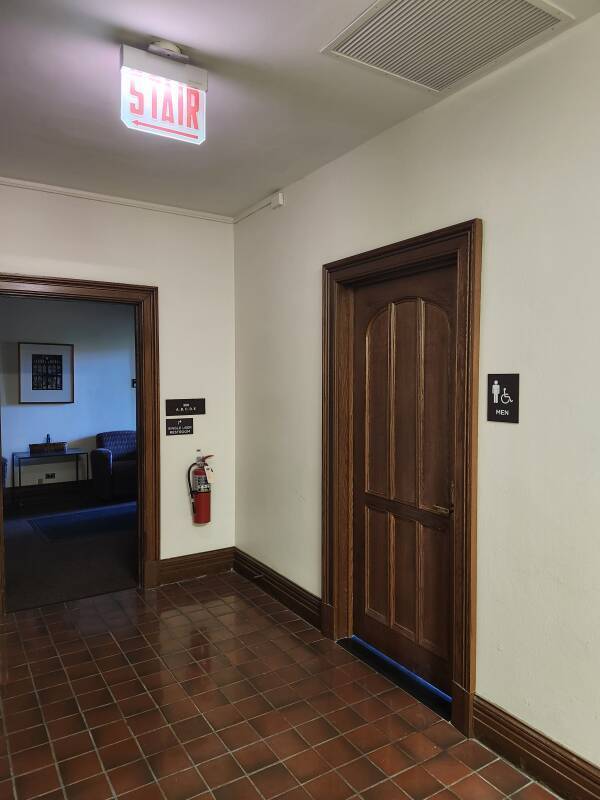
point(189, 480)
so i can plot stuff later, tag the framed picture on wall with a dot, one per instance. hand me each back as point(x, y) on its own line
point(46, 373)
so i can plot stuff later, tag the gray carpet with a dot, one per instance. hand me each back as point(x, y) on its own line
point(53, 558)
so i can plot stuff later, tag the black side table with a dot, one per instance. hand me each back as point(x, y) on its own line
point(73, 454)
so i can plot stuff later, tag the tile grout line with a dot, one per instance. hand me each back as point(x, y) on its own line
point(45, 724)
point(179, 614)
point(293, 728)
point(125, 720)
point(199, 713)
point(96, 750)
point(9, 753)
point(228, 750)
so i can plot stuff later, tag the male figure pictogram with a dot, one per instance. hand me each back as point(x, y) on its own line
point(495, 390)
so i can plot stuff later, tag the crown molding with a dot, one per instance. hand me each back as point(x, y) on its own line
point(247, 212)
point(15, 183)
point(275, 200)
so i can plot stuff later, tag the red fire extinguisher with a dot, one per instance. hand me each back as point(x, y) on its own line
point(199, 488)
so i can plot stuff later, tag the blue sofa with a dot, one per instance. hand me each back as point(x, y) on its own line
point(114, 465)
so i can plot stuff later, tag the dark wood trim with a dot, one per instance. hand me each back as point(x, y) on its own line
point(145, 301)
point(327, 620)
point(564, 772)
point(301, 602)
point(461, 245)
point(195, 565)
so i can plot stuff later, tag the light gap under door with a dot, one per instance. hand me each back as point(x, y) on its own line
point(417, 687)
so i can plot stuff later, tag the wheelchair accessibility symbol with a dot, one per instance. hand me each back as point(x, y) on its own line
point(503, 398)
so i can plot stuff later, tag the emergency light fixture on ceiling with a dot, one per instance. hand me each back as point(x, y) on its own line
point(162, 95)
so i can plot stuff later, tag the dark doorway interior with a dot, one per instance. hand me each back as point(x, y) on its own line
point(69, 554)
point(70, 517)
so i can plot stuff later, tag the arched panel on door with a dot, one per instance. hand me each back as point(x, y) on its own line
point(377, 420)
point(436, 433)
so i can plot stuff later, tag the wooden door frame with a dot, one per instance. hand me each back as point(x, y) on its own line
point(460, 245)
point(145, 301)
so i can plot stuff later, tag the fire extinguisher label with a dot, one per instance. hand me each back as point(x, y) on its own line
point(200, 483)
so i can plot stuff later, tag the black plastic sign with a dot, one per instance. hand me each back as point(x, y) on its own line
point(176, 408)
point(180, 427)
point(503, 398)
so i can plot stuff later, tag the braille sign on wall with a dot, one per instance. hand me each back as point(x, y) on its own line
point(177, 407)
point(180, 427)
point(503, 398)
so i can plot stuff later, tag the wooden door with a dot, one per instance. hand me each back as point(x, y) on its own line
point(404, 385)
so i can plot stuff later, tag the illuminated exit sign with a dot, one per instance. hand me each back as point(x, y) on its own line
point(163, 97)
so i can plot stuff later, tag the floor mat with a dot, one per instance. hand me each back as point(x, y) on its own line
point(91, 522)
point(51, 559)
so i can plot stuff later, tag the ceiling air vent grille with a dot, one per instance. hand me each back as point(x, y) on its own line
point(437, 43)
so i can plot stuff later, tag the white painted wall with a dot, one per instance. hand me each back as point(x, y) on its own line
point(521, 149)
point(191, 262)
point(103, 335)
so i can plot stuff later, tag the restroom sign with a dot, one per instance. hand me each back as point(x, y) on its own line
point(179, 427)
point(162, 97)
point(503, 397)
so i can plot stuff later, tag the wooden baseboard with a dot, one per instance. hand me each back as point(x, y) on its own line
point(565, 773)
point(195, 565)
point(303, 603)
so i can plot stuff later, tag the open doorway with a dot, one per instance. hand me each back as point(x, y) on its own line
point(79, 439)
point(69, 449)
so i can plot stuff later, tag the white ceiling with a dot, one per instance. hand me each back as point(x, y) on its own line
point(277, 108)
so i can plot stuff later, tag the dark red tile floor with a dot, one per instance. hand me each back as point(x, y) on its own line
point(210, 689)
